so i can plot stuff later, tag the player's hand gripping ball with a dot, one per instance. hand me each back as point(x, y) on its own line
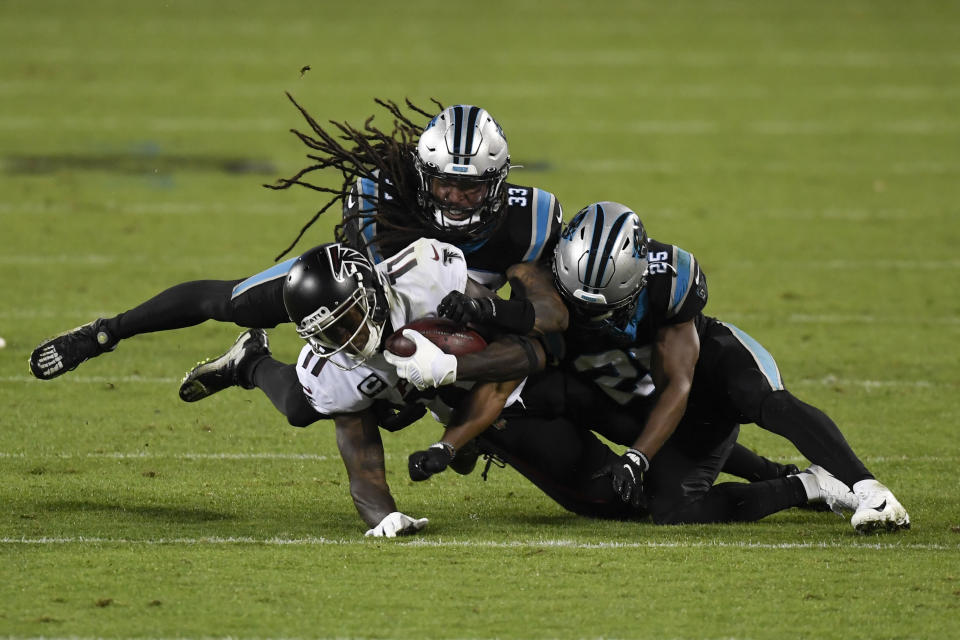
point(451, 337)
point(425, 351)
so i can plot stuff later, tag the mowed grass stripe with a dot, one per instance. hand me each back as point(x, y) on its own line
point(659, 127)
point(692, 91)
point(612, 57)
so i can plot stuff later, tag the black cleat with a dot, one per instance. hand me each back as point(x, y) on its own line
point(67, 351)
point(217, 374)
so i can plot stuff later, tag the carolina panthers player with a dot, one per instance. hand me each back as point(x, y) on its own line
point(344, 307)
point(637, 324)
point(676, 385)
point(450, 186)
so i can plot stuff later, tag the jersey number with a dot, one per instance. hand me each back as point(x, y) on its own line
point(658, 262)
point(517, 197)
point(372, 385)
point(624, 375)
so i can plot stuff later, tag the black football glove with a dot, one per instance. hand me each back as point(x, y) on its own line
point(461, 308)
point(627, 474)
point(423, 464)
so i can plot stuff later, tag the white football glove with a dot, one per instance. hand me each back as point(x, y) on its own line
point(397, 524)
point(428, 367)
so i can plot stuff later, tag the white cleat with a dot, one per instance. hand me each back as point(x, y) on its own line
point(833, 493)
point(878, 509)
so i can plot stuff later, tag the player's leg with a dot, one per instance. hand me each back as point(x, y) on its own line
point(754, 387)
point(248, 364)
point(280, 384)
point(562, 460)
point(622, 425)
point(254, 302)
point(753, 467)
point(680, 484)
point(742, 378)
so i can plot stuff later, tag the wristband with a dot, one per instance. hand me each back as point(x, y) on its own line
point(446, 446)
point(515, 316)
point(642, 456)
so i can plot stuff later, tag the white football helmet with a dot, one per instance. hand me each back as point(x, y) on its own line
point(462, 148)
point(600, 262)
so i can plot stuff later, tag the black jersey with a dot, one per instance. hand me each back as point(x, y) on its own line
point(528, 231)
point(619, 359)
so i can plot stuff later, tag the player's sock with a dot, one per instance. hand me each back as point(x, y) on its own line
point(810, 485)
point(739, 502)
point(814, 434)
point(280, 383)
point(748, 465)
point(183, 305)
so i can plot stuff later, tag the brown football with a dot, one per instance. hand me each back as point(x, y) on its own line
point(450, 336)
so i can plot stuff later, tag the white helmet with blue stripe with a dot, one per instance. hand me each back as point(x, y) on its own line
point(462, 161)
point(600, 262)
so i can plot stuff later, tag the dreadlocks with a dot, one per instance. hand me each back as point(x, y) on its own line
point(368, 152)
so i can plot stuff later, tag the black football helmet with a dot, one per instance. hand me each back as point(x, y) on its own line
point(337, 300)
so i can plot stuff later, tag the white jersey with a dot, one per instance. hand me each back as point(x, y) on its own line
point(418, 277)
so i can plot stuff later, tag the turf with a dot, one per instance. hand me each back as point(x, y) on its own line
point(807, 153)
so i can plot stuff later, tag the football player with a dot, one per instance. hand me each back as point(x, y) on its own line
point(449, 185)
point(344, 307)
point(676, 385)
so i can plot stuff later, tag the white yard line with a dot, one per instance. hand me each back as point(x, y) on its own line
point(513, 544)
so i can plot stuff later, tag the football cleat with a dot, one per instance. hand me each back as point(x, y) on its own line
point(878, 509)
point(67, 351)
point(833, 493)
point(216, 374)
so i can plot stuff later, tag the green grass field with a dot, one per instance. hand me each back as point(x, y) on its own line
point(807, 153)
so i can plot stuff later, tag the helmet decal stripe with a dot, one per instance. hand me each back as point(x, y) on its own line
point(457, 126)
point(594, 245)
point(471, 126)
point(612, 239)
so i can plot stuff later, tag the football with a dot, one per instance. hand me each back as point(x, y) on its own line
point(450, 336)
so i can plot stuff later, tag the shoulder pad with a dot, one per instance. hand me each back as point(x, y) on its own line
point(546, 218)
point(686, 294)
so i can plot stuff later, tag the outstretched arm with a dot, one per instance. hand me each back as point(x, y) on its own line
point(478, 411)
point(358, 438)
point(472, 417)
point(506, 358)
point(534, 282)
point(674, 360)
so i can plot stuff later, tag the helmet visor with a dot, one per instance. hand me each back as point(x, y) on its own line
point(348, 328)
point(458, 198)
